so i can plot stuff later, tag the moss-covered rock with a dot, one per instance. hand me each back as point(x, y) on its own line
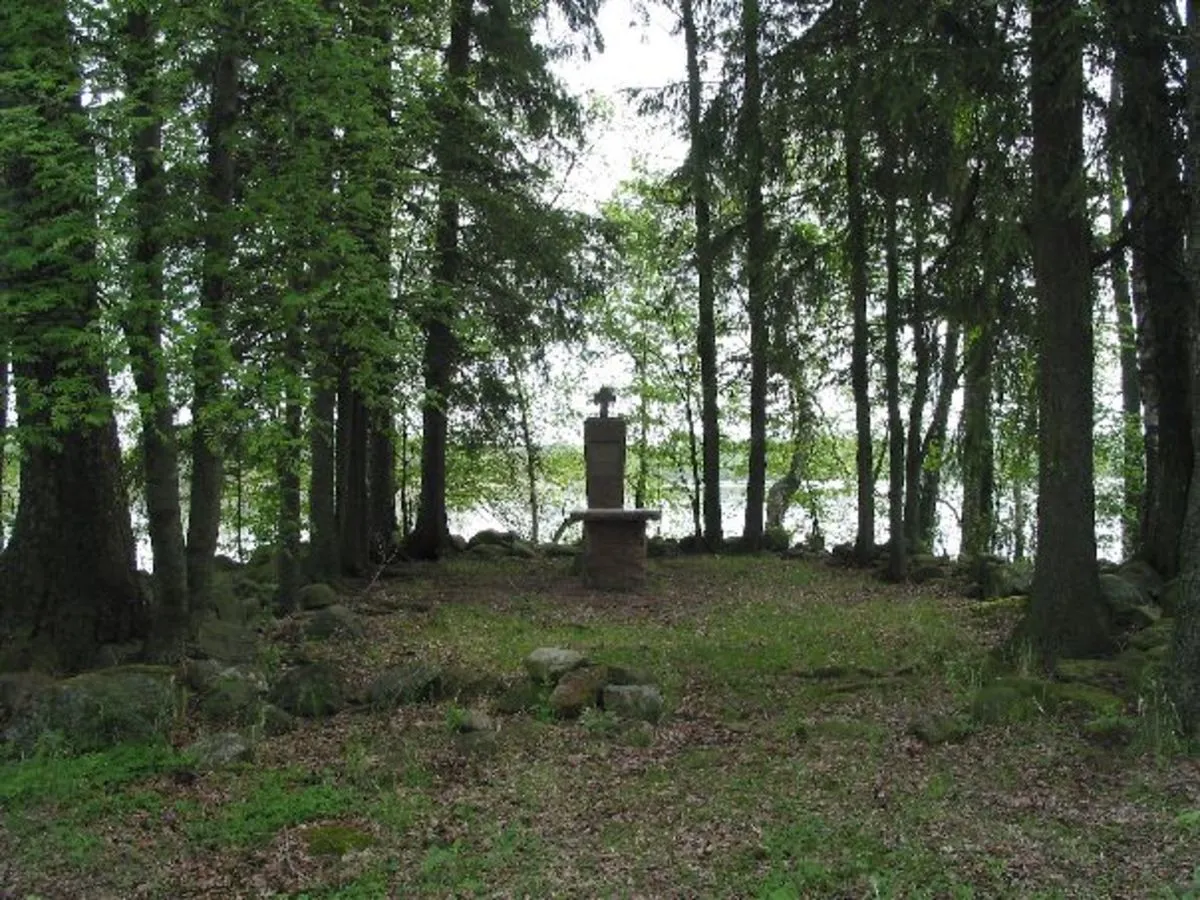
point(334, 622)
point(1126, 605)
point(523, 695)
point(1017, 699)
point(214, 751)
point(313, 691)
point(549, 664)
point(633, 701)
point(1157, 635)
point(335, 840)
point(941, 729)
point(316, 596)
point(99, 709)
point(414, 682)
point(578, 690)
point(234, 696)
point(227, 641)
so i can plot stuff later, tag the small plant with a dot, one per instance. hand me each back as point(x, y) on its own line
point(456, 718)
point(598, 721)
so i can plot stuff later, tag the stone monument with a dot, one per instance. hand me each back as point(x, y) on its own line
point(614, 538)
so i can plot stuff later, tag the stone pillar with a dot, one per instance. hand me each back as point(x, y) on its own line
point(604, 459)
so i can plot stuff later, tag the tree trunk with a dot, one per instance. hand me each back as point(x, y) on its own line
point(1158, 215)
point(706, 331)
point(288, 463)
point(4, 383)
point(210, 356)
point(67, 578)
point(933, 447)
point(354, 532)
point(897, 565)
point(864, 543)
point(1132, 463)
point(757, 280)
point(382, 485)
point(431, 534)
point(1183, 667)
point(978, 450)
point(1065, 616)
point(143, 325)
point(322, 508)
point(693, 461)
point(532, 461)
point(923, 353)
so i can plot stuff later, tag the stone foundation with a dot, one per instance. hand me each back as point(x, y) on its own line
point(614, 548)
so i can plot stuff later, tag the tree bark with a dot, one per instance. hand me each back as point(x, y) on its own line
point(210, 357)
point(934, 444)
point(532, 460)
point(354, 543)
point(322, 508)
point(288, 464)
point(1065, 617)
point(923, 354)
point(864, 543)
point(978, 449)
point(382, 484)
point(4, 383)
point(431, 533)
point(1183, 666)
point(1150, 153)
point(706, 331)
point(757, 275)
point(67, 578)
point(897, 565)
point(143, 325)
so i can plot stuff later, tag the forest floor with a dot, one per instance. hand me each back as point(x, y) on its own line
point(786, 765)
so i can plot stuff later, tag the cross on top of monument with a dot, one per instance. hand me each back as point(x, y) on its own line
point(605, 397)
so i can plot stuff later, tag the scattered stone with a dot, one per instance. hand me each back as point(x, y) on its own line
point(99, 709)
point(227, 641)
point(276, 721)
point(334, 622)
point(458, 543)
point(316, 596)
point(1157, 635)
point(633, 701)
point(473, 720)
point(577, 690)
point(549, 664)
point(406, 683)
point(925, 574)
point(935, 730)
point(521, 696)
point(522, 550)
point(558, 550)
point(629, 675)
point(313, 691)
point(213, 751)
point(233, 695)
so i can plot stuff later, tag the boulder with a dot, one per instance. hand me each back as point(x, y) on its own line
point(521, 696)
point(313, 691)
point(522, 550)
point(227, 641)
point(213, 751)
point(1143, 576)
point(99, 709)
point(577, 690)
point(492, 537)
point(234, 695)
point(549, 664)
point(414, 682)
point(558, 551)
point(457, 543)
point(19, 691)
point(926, 573)
point(1125, 603)
point(633, 701)
point(334, 622)
point(473, 720)
point(276, 721)
point(316, 596)
point(488, 551)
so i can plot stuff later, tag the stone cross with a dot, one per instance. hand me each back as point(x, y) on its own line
point(605, 397)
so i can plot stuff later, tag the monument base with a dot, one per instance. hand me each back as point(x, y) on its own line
point(614, 547)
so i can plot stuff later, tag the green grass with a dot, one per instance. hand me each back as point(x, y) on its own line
point(786, 766)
